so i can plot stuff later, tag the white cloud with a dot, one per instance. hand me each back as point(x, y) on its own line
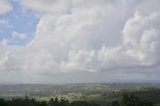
point(90, 36)
point(141, 34)
point(4, 7)
point(84, 40)
point(18, 35)
point(4, 42)
point(4, 60)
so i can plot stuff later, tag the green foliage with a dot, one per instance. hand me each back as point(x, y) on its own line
point(82, 103)
point(127, 100)
point(53, 102)
point(115, 103)
point(3, 102)
point(132, 100)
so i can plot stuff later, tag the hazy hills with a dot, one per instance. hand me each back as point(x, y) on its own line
point(84, 88)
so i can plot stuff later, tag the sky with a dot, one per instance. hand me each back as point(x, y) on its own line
point(79, 41)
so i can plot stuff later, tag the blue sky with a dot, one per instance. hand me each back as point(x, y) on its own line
point(18, 20)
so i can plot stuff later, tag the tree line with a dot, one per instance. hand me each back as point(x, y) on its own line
point(52, 102)
point(132, 100)
point(127, 100)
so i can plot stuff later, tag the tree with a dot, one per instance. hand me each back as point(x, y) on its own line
point(64, 102)
point(132, 100)
point(3, 102)
point(115, 103)
point(51, 102)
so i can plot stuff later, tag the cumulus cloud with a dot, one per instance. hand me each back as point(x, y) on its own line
point(4, 7)
point(4, 60)
point(18, 35)
point(89, 36)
